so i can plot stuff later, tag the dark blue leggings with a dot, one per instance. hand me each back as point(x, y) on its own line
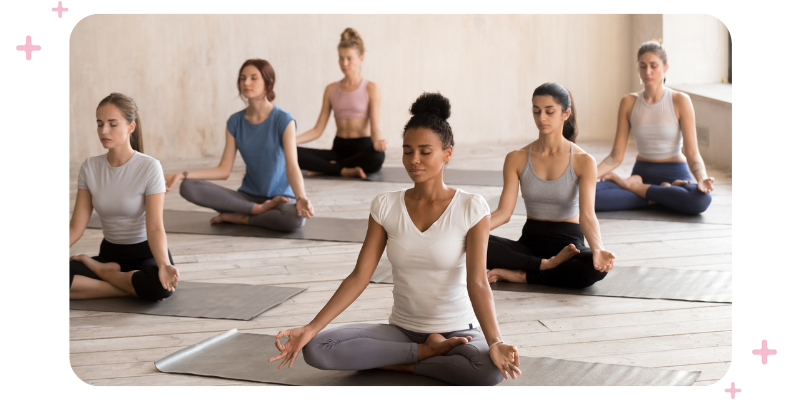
point(686, 199)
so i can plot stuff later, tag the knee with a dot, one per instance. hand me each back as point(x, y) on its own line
point(148, 286)
point(481, 370)
point(314, 353)
point(700, 203)
point(188, 188)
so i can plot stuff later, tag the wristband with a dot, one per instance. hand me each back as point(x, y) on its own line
point(185, 174)
point(495, 343)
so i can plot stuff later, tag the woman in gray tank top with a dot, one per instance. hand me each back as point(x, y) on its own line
point(557, 180)
point(661, 121)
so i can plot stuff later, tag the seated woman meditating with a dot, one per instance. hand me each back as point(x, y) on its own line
point(661, 121)
point(436, 237)
point(358, 148)
point(126, 188)
point(272, 195)
point(557, 179)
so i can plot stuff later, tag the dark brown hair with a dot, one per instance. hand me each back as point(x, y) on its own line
point(351, 38)
point(266, 72)
point(130, 112)
point(563, 97)
point(651, 46)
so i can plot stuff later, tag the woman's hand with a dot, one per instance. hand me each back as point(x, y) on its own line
point(706, 185)
point(172, 179)
point(603, 260)
point(304, 208)
point(506, 358)
point(379, 145)
point(168, 275)
point(298, 338)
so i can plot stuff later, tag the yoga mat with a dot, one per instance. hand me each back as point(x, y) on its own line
point(454, 177)
point(316, 228)
point(719, 212)
point(636, 282)
point(646, 283)
point(199, 300)
point(243, 356)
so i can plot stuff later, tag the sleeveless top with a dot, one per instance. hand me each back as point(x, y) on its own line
point(261, 147)
point(350, 105)
point(655, 128)
point(550, 200)
point(430, 268)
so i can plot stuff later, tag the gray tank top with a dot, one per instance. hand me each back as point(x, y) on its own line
point(549, 200)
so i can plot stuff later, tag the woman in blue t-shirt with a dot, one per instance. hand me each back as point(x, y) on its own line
point(272, 195)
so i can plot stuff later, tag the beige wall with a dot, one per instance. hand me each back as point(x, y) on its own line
point(181, 69)
point(698, 49)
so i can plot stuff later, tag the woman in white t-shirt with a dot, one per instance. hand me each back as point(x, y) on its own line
point(436, 237)
point(127, 189)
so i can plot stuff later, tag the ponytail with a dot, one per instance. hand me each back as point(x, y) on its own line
point(130, 112)
point(136, 137)
point(563, 97)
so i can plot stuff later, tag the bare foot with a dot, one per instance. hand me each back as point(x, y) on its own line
point(632, 182)
point(231, 217)
point(680, 182)
point(613, 177)
point(506, 275)
point(437, 345)
point(269, 205)
point(356, 172)
point(100, 268)
point(565, 254)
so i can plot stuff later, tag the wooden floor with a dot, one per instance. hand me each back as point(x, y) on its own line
point(119, 349)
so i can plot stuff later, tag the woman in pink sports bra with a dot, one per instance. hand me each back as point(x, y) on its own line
point(358, 148)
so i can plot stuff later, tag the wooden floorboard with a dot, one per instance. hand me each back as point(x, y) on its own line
point(120, 349)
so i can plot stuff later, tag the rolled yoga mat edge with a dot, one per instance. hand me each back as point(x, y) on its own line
point(243, 356)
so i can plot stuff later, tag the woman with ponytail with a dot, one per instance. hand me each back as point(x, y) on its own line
point(272, 194)
point(358, 148)
point(557, 180)
point(127, 189)
point(436, 237)
point(661, 121)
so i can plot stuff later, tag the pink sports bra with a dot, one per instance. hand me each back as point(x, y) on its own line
point(350, 105)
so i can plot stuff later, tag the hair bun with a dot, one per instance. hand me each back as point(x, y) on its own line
point(431, 103)
point(350, 34)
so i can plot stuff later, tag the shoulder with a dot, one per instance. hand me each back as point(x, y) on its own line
point(283, 118)
point(582, 161)
point(629, 99)
point(518, 157)
point(237, 116)
point(372, 87)
point(235, 120)
point(330, 87)
point(147, 162)
point(680, 99)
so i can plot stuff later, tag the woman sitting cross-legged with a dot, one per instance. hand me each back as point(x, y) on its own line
point(436, 238)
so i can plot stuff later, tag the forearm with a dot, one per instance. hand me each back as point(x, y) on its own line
point(480, 294)
point(215, 173)
point(608, 164)
point(308, 136)
point(157, 240)
point(75, 235)
point(591, 231)
point(295, 178)
point(697, 166)
point(376, 134)
point(345, 295)
point(499, 218)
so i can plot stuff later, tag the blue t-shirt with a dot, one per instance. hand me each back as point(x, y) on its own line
point(261, 147)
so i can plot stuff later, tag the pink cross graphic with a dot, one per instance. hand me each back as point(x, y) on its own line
point(28, 48)
point(764, 352)
point(733, 390)
point(60, 9)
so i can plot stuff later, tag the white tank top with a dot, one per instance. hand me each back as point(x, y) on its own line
point(430, 268)
point(655, 128)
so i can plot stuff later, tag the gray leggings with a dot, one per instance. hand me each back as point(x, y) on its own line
point(367, 346)
point(283, 218)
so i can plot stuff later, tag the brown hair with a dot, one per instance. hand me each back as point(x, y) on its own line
point(266, 72)
point(351, 38)
point(130, 112)
point(563, 97)
point(651, 46)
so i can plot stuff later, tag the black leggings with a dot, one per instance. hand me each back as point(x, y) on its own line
point(541, 240)
point(347, 153)
point(131, 257)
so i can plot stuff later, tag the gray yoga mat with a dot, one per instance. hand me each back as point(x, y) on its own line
point(456, 177)
point(243, 356)
point(719, 212)
point(316, 228)
point(199, 300)
point(636, 282)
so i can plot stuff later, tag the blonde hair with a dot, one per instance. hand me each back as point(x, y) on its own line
point(351, 38)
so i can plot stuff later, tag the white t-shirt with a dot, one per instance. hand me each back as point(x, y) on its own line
point(118, 194)
point(429, 268)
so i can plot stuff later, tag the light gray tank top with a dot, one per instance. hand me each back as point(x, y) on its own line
point(550, 200)
point(655, 128)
